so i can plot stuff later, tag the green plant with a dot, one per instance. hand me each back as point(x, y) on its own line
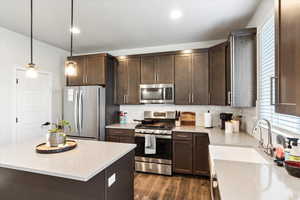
point(60, 126)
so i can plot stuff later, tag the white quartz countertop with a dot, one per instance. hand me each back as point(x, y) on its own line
point(122, 126)
point(254, 181)
point(217, 136)
point(82, 163)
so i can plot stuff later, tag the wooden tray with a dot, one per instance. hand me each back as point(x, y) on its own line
point(44, 148)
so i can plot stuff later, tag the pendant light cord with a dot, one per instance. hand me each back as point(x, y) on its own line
point(31, 33)
point(72, 25)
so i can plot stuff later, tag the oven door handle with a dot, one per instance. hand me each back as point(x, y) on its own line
point(157, 136)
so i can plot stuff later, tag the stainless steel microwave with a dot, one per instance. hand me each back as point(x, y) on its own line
point(157, 93)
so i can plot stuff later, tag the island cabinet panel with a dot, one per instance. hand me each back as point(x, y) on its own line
point(287, 99)
point(31, 186)
point(128, 81)
point(120, 135)
point(217, 79)
point(190, 153)
point(123, 171)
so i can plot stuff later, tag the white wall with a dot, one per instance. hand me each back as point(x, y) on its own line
point(263, 13)
point(14, 53)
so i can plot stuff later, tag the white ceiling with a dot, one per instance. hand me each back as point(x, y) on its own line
point(125, 24)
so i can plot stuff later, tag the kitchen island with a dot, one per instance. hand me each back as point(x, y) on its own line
point(92, 171)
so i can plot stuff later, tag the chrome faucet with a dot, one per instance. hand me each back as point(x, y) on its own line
point(269, 149)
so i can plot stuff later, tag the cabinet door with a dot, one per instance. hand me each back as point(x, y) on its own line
point(122, 81)
point(287, 55)
point(183, 156)
point(127, 139)
point(164, 67)
point(95, 70)
point(200, 154)
point(217, 57)
point(134, 80)
point(77, 80)
point(200, 79)
point(183, 79)
point(113, 138)
point(148, 75)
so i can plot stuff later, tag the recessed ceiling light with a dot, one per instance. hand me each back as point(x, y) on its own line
point(187, 51)
point(75, 30)
point(175, 14)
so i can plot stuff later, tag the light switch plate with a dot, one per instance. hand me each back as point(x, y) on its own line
point(111, 180)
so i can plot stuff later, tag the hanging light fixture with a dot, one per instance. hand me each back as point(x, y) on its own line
point(31, 69)
point(71, 65)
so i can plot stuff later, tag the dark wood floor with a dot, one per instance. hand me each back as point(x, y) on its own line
point(156, 187)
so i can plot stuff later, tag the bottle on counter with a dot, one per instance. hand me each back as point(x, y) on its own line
point(123, 117)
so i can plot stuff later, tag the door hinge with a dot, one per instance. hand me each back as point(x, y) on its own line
point(17, 81)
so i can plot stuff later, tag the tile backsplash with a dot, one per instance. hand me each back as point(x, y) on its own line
point(137, 111)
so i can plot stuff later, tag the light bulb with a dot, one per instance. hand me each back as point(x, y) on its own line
point(75, 30)
point(175, 14)
point(31, 72)
point(71, 68)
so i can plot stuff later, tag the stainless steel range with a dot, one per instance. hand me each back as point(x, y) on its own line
point(158, 125)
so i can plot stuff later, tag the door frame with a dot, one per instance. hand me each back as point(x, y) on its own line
point(14, 89)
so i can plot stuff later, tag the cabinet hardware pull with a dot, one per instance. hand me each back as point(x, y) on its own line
point(192, 97)
point(229, 97)
point(124, 99)
point(272, 80)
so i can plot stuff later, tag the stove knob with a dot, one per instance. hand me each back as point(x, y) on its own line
point(156, 132)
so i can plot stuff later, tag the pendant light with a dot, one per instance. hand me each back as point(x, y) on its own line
point(71, 65)
point(31, 70)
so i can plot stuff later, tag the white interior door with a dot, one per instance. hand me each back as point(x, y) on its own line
point(33, 104)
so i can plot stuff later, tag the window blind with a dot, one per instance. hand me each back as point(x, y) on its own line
point(267, 70)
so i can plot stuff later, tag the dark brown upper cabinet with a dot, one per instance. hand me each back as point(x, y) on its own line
point(128, 80)
point(91, 70)
point(192, 78)
point(217, 74)
point(287, 99)
point(157, 69)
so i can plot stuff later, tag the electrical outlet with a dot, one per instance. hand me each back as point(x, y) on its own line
point(111, 180)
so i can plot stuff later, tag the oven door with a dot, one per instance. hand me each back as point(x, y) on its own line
point(163, 148)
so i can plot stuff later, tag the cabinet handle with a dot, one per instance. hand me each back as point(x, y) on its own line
point(229, 97)
point(192, 97)
point(272, 80)
point(124, 99)
point(189, 98)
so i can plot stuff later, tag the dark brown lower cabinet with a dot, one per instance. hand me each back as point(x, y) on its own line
point(120, 135)
point(190, 153)
point(200, 154)
point(183, 156)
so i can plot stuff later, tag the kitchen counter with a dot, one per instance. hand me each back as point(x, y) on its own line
point(122, 126)
point(217, 136)
point(254, 181)
point(82, 163)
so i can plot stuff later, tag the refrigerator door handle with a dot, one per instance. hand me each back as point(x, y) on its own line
point(76, 111)
point(80, 110)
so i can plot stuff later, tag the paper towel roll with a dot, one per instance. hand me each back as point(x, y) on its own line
point(208, 120)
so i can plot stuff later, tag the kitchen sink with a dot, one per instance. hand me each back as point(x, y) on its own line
point(238, 154)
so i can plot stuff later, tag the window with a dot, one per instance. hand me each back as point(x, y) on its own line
point(267, 70)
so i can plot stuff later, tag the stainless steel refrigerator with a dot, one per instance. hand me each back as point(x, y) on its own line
point(89, 109)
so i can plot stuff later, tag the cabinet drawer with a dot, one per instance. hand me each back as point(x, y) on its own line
point(113, 139)
point(182, 136)
point(120, 132)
